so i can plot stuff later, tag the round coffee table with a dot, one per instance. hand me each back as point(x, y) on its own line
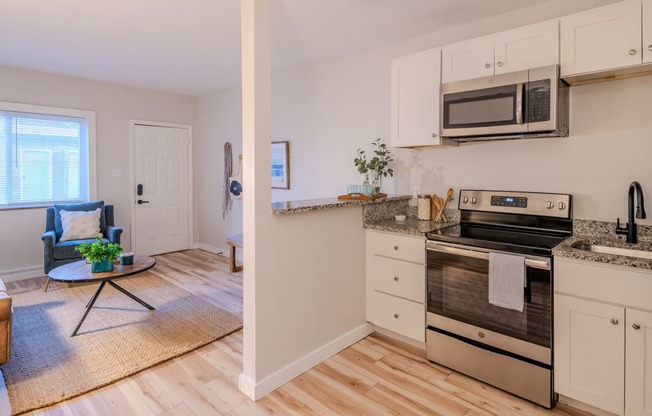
point(80, 272)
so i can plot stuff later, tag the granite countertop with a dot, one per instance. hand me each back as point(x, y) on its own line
point(293, 207)
point(602, 233)
point(410, 226)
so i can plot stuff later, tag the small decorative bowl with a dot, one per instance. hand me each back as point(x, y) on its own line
point(126, 258)
point(399, 218)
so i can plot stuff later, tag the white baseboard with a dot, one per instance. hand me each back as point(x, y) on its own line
point(583, 406)
point(402, 338)
point(21, 274)
point(217, 250)
point(270, 383)
point(211, 248)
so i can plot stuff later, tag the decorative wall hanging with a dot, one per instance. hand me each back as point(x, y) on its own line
point(228, 167)
point(235, 181)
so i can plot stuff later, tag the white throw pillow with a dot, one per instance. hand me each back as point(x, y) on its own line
point(80, 225)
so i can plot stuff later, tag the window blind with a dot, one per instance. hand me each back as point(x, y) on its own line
point(43, 158)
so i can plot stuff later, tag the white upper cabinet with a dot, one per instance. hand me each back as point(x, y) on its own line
point(469, 59)
point(527, 47)
point(523, 48)
point(415, 100)
point(608, 37)
point(647, 31)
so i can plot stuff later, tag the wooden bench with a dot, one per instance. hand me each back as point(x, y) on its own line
point(234, 241)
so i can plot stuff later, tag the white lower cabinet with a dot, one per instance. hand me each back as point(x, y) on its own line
point(603, 336)
point(638, 370)
point(397, 279)
point(590, 352)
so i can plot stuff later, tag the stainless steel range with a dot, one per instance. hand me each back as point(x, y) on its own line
point(490, 287)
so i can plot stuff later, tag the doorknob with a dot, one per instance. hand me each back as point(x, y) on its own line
point(140, 202)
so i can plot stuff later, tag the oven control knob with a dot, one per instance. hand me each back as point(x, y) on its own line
point(561, 205)
point(465, 199)
point(474, 200)
point(550, 205)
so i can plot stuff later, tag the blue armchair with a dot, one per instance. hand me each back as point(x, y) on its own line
point(57, 253)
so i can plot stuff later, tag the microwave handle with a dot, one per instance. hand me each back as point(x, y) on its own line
point(519, 103)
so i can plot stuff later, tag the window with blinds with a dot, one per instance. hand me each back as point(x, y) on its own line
point(43, 159)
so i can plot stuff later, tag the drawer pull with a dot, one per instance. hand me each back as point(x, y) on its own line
point(396, 248)
point(614, 321)
point(396, 278)
point(636, 326)
point(395, 316)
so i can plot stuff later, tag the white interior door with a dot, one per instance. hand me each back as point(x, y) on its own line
point(162, 210)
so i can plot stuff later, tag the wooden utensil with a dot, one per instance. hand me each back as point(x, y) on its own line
point(434, 207)
point(449, 194)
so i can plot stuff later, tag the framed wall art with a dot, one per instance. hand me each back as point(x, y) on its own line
point(281, 165)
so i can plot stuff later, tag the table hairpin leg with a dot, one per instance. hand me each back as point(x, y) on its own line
point(91, 302)
point(89, 306)
point(131, 295)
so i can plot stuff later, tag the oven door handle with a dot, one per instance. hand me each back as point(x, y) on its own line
point(479, 253)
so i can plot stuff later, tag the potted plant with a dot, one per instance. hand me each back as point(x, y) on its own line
point(378, 166)
point(100, 255)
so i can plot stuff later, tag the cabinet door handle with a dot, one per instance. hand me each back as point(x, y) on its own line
point(636, 326)
point(487, 65)
point(435, 134)
point(396, 280)
point(396, 248)
point(632, 51)
point(499, 63)
point(649, 48)
point(614, 321)
point(395, 316)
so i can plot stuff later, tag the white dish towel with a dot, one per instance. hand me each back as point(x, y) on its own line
point(506, 280)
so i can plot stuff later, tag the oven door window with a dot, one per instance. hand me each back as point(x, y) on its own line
point(481, 108)
point(458, 288)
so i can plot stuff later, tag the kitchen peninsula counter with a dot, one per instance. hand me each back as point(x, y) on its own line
point(293, 207)
point(410, 226)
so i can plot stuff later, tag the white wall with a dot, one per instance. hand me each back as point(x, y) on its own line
point(220, 121)
point(22, 249)
point(328, 111)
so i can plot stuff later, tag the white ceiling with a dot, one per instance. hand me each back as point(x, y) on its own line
point(193, 46)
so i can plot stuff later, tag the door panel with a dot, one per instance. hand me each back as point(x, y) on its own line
point(608, 37)
point(161, 166)
point(638, 381)
point(590, 352)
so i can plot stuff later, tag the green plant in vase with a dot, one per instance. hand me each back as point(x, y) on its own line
point(377, 167)
point(100, 255)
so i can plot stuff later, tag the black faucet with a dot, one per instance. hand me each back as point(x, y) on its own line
point(630, 229)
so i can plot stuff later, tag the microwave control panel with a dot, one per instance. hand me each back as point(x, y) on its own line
point(538, 101)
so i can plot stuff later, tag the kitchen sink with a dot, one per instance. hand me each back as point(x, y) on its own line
point(595, 248)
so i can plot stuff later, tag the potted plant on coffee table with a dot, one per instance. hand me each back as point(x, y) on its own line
point(100, 255)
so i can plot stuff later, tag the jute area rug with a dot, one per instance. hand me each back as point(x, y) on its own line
point(118, 338)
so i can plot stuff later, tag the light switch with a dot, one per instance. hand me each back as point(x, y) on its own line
point(116, 173)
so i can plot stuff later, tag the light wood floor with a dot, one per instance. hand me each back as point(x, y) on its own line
point(376, 376)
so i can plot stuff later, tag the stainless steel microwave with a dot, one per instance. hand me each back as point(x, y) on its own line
point(523, 104)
